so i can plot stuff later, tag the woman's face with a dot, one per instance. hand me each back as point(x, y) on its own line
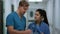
point(37, 16)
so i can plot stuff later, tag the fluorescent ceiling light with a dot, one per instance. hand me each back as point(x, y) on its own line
point(35, 0)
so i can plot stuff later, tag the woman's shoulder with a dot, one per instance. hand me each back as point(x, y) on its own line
point(44, 24)
point(32, 24)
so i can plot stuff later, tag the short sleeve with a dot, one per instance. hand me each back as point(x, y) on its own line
point(29, 26)
point(9, 20)
point(47, 31)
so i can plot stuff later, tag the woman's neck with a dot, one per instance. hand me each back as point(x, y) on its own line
point(38, 22)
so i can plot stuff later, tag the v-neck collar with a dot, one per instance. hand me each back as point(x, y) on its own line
point(39, 24)
point(19, 16)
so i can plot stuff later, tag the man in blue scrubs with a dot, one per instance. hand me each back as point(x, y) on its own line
point(16, 22)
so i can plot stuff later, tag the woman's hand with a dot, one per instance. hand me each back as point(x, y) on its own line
point(42, 33)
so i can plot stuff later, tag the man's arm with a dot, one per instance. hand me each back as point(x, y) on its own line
point(12, 31)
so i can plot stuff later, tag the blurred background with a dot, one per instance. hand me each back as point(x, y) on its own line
point(52, 8)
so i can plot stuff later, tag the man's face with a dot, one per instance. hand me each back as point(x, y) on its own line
point(23, 9)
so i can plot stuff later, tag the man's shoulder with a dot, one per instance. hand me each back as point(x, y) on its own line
point(11, 14)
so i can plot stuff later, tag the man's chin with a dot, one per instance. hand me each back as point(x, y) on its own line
point(34, 20)
point(22, 14)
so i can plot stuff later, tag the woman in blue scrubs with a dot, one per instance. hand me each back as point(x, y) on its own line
point(40, 25)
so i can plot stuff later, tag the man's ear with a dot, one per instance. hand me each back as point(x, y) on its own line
point(19, 7)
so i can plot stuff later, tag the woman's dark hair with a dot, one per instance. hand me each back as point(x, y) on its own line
point(43, 13)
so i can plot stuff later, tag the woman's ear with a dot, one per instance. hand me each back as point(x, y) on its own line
point(42, 18)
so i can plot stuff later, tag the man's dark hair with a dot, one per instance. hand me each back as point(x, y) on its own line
point(23, 3)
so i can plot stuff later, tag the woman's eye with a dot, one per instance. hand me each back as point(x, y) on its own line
point(37, 15)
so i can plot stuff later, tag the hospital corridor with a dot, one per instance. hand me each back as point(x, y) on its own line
point(52, 8)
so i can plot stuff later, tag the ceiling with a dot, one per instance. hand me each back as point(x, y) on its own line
point(45, 0)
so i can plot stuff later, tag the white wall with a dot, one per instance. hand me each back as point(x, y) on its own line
point(53, 10)
point(50, 14)
point(57, 17)
point(15, 3)
point(7, 10)
point(37, 5)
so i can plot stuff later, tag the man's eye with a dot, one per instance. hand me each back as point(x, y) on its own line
point(25, 9)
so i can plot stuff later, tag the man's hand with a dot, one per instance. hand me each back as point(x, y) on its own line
point(28, 31)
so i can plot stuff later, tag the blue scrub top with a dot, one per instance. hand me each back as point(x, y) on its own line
point(14, 20)
point(38, 29)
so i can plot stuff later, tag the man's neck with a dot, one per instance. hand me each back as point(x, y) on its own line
point(20, 15)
